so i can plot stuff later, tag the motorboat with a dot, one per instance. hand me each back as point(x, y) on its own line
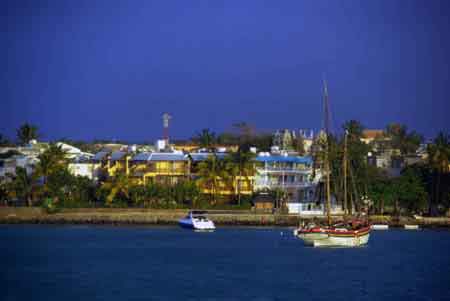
point(197, 220)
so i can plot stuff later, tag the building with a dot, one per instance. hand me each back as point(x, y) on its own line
point(369, 135)
point(290, 174)
point(85, 167)
point(167, 168)
point(264, 202)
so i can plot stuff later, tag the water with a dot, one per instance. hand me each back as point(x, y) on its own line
point(151, 263)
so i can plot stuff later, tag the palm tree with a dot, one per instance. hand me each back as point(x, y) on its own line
point(119, 186)
point(402, 140)
point(26, 133)
point(51, 160)
point(153, 192)
point(23, 185)
point(211, 172)
point(206, 139)
point(299, 145)
point(438, 160)
point(243, 159)
point(232, 170)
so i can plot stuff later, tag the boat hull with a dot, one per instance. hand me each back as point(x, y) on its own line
point(196, 225)
point(309, 236)
point(334, 237)
point(342, 241)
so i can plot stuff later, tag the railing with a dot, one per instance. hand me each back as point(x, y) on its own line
point(283, 169)
point(168, 170)
point(308, 209)
point(282, 185)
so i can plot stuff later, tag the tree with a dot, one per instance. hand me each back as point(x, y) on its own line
point(51, 160)
point(233, 172)
point(299, 145)
point(262, 141)
point(410, 190)
point(4, 191)
point(26, 133)
point(381, 192)
point(117, 189)
point(138, 194)
point(206, 139)
point(191, 192)
point(227, 139)
point(245, 167)
point(357, 152)
point(211, 171)
point(438, 162)
point(23, 185)
point(245, 132)
point(402, 140)
point(59, 186)
point(83, 190)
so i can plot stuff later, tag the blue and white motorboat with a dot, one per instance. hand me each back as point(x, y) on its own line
point(197, 220)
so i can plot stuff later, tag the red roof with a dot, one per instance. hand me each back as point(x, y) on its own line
point(372, 133)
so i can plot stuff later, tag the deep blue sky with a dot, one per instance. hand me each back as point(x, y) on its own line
point(88, 69)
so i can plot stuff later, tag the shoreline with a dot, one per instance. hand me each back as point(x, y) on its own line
point(169, 217)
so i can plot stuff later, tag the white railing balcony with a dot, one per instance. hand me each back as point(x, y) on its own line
point(283, 170)
point(275, 184)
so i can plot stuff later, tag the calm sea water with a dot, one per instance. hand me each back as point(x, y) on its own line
point(150, 263)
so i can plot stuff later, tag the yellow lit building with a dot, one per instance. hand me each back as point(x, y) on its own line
point(167, 168)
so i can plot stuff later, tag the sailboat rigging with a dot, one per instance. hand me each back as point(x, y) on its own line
point(346, 234)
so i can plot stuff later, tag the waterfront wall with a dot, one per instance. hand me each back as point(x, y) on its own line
point(11, 215)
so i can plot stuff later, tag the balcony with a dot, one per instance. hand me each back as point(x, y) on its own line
point(281, 169)
point(277, 184)
point(175, 170)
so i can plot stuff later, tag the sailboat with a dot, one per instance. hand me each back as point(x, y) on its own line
point(347, 234)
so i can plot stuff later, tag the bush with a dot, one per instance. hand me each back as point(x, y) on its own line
point(50, 206)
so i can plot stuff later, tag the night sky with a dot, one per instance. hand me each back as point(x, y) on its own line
point(87, 69)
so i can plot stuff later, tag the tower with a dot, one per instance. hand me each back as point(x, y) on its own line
point(166, 117)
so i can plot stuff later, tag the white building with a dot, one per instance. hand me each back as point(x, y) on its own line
point(293, 175)
point(85, 169)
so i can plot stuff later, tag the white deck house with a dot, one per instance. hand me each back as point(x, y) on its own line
point(293, 175)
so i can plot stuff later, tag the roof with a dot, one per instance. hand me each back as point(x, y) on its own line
point(263, 198)
point(286, 159)
point(100, 155)
point(68, 148)
point(203, 156)
point(159, 157)
point(117, 155)
point(372, 133)
point(142, 157)
point(168, 157)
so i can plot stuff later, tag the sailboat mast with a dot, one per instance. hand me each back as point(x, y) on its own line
point(345, 173)
point(327, 162)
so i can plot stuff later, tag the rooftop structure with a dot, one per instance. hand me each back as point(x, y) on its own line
point(370, 135)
